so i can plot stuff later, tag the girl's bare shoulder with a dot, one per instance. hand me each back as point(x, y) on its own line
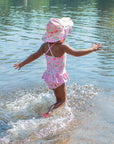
point(65, 47)
point(44, 47)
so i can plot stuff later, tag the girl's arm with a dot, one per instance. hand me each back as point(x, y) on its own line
point(82, 52)
point(31, 58)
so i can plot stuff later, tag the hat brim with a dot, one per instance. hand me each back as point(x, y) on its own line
point(53, 37)
point(58, 29)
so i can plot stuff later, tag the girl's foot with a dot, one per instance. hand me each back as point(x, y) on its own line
point(45, 115)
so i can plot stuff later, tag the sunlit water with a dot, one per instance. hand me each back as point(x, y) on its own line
point(87, 117)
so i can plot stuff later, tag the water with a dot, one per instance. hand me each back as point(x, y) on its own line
point(87, 117)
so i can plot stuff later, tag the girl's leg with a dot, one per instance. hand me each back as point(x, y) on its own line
point(60, 94)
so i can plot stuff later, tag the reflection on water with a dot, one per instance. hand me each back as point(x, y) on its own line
point(22, 24)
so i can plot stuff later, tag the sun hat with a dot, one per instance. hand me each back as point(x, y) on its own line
point(58, 29)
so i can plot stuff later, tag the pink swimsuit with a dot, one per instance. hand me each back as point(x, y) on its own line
point(55, 74)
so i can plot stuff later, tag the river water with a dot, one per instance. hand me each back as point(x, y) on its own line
point(88, 116)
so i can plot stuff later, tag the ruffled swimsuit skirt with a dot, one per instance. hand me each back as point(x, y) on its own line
point(55, 74)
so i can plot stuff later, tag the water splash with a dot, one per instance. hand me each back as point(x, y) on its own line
point(24, 121)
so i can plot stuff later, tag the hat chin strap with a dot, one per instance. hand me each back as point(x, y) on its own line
point(62, 40)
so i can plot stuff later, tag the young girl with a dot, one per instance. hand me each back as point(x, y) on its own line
point(55, 51)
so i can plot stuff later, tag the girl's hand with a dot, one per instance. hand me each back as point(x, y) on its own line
point(96, 47)
point(17, 66)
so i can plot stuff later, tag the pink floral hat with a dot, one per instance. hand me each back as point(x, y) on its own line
point(58, 29)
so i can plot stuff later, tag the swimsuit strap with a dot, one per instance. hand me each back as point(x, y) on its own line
point(50, 49)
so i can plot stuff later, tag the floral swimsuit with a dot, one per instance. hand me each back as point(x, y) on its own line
point(55, 74)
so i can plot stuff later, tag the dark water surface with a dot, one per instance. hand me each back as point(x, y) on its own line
point(88, 117)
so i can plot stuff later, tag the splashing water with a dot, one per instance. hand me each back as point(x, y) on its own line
point(21, 113)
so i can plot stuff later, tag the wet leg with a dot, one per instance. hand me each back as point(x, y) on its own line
point(60, 94)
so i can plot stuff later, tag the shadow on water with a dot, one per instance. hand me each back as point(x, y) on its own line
point(4, 127)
